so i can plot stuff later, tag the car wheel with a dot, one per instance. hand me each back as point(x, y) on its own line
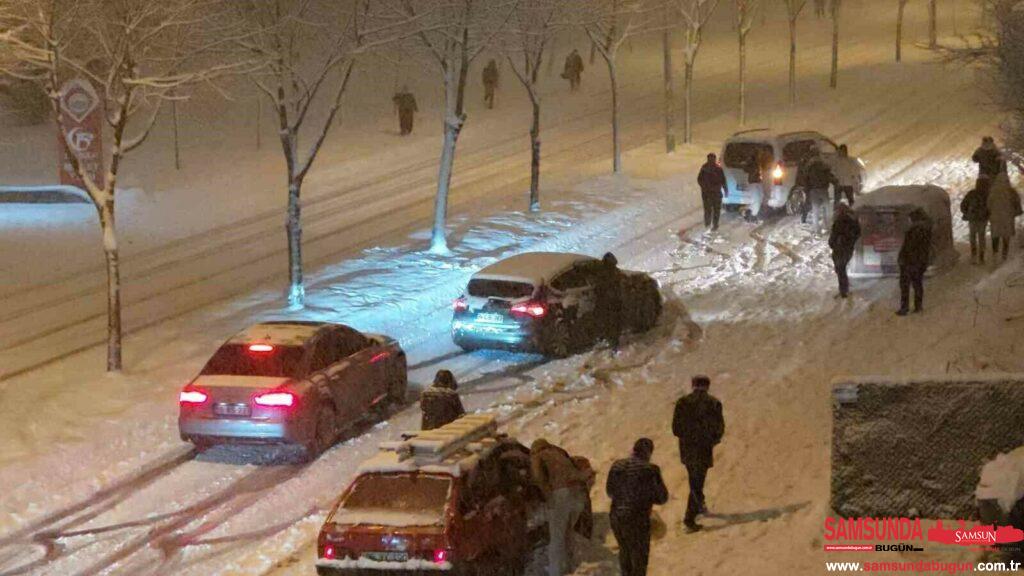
point(795, 202)
point(559, 340)
point(325, 432)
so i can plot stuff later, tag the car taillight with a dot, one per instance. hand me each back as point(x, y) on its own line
point(778, 173)
point(534, 309)
point(460, 304)
point(261, 348)
point(192, 396)
point(441, 556)
point(275, 399)
point(328, 553)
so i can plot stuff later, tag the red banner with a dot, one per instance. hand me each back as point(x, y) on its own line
point(81, 111)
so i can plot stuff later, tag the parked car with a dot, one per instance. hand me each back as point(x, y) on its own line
point(545, 302)
point(291, 382)
point(884, 216)
point(457, 499)
point(782, 152)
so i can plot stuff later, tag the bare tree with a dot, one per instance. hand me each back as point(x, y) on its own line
point(745, 12)
point(793, 10)
point(307, 51)
point(900, 12)
point(836, 10)
point(609, 23)
point(694, 15)
point(933, 23)
point(670, 106)
point(454, 34)
point(532, 31)
point(139, 54)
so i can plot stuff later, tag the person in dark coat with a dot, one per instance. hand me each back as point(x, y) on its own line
point(573, 70)
point(818, 177)
point(441, 403)
point(405, 103)
point(914, 257)
point(608, 293)
point(974, 209)
point(988, 158)
point(844, 236)
point(711, 180)
point(490, 82)
point(699, 425)
point(634, 487)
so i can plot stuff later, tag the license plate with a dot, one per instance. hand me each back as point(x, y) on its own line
point(490, 318)
point(387, 556)
point(741, 187)
point(231, 409)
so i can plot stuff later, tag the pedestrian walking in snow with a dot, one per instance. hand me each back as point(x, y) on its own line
point(711, 180)
point(974, 209)
point(914, 257)
point(440, 403)
point(405, 103)
point(573, 69)
point(844, 236)
point(988, 158)
point(699, 425)
point(847, 176)
point(565, 498)
point(1004, 207)
point(608, 305)
point(817, 178)
point(490, 78)
point(634, 487)
point(819, 8)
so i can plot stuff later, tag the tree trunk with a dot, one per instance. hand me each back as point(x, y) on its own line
point(688, 95)
point(110, 252)
point(535, 159)
point(899, 31)
point(438, 238)
point(616, 144)
point(259, 122)
point(792, 61)
point(933, 25)
point(670, 120)
point(177, 145)
point(743, 78)
point(833, 81)
point(296, 288)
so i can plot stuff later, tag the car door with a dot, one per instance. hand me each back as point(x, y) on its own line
point(358, 378)
point(318, 366)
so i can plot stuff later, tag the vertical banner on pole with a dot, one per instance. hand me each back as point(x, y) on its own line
point(81, 113)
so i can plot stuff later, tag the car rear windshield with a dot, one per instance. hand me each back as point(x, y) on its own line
point(396, 500)
point(239, 360)
point(796, 152)
point(483, 288)
point(741, 154)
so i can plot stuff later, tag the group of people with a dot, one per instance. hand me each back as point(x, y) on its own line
point(634, 484)
point(405, 102)
point(992, 202)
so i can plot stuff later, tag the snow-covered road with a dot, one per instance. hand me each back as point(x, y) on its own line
point(95, 481)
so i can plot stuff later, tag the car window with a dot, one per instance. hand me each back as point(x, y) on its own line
point(395, 499)
point(349, 341)
point(325, 353)
point(795, 152)
point(484, 288)
point(241, 360)
point(742, 154)
point(575, 278)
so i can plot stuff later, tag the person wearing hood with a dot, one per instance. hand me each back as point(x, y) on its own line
point(564, 487)
point(914, 257)
point(441, 403)
point(842, 240)
point(634, 487)
point(988, 158)
point(1004, 207)
point(974, 209)
point(405, 103)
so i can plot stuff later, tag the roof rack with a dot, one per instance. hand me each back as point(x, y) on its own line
point(436, 446)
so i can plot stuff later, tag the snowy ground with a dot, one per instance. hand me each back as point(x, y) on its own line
point(94, 480)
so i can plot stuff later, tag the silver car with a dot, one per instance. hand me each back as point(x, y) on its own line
point(293, 383)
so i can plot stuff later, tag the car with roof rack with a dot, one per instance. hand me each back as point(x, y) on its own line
point(457, 499)
point(292, 383)
point(546, 303)
point(744, 153)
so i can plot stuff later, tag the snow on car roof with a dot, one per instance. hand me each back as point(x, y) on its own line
point(534, 267)
point(770, 135)
point(927, 196)
point(279, 333)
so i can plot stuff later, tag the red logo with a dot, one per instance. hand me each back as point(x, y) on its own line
point(984, 536)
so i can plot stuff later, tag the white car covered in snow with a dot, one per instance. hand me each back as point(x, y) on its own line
point(761, 167)
point(547, 302)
